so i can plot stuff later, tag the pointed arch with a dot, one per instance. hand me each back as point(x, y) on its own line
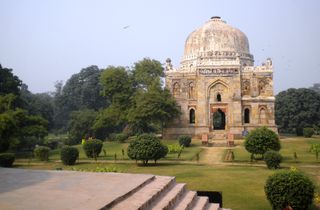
point(263, 118)
point(246, 115)
point(176, 89)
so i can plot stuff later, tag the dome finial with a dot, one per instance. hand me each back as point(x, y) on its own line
point(215, 17)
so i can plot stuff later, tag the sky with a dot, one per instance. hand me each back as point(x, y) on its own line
point(46, 41)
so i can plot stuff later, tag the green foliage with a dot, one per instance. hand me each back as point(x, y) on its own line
point(42, 153)
point(174, 148)
point(308, 132)
point(289, 188)
point(272, 159)
point(153, 108)
point(80, 125)
point(69, 155)
point(146, 71)
point(9, 83)
point(92, 148)
point(146, 147)
point(296, 109)
point(120, 137)
point(7, 159)
point(81, 91)
point(315, 148)
point(260, 140)
point(184, 141)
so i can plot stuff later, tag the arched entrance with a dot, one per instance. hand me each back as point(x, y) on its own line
point(219, 120)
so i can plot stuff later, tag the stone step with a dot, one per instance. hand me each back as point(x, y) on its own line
point(170, 198)
point(213, 206)
point(143, 197)
point(187, 201)
point(201, 203)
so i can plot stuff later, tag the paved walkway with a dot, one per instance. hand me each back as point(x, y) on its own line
point(22, 189)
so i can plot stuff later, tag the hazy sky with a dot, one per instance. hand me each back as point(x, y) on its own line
point(44, 41)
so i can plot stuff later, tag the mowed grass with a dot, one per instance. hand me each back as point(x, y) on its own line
point(241, 183)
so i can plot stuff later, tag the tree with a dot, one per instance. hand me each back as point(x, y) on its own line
point(80, 125)
point(286, 189)
point(260, 140)
point(81, 91)
point(153, 108)
point(9, 83)
point(296, 109)
point(146, 72)
point(316, 87)
point(146, 147)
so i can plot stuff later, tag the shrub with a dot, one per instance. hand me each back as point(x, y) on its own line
point(71, 141)
point(260, 140)
point(92, 148)
point(42, 153)
point(120, 137)
point(174, 148)
point(308, 132)
point(184, 141)
point(289, 188)
point(146, 147)
point(69, 155)
point(6, 159)
point(272, 159)
point(315, 148)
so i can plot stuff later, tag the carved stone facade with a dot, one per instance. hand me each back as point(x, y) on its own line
point(217, 87)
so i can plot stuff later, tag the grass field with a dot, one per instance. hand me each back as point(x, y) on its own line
point(241, 182)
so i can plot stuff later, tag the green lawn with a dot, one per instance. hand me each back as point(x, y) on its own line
point(241, 183)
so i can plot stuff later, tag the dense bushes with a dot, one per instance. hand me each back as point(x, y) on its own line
point(289, 189)
point(260, 140)
point(272, 159)
point(42, 153)
point(92, 147)
point(69, 155)
point(308, 132)
point(6, 159)
point(146, 147)
point(184, 141)
point(119, 137)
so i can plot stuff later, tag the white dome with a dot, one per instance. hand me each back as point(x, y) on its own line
point(217, 40)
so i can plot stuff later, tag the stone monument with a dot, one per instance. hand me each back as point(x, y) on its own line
point(217, 87)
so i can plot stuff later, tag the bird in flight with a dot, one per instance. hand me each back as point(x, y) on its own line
point(126, 27)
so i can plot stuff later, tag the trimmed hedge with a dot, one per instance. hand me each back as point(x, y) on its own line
point(69, 155)
point(260, 140)
point(42, 153)
point(184, 141)
point(272, 159)
point(289, 189)
point(6, 159)
point(92, 148)
point(120, 137)
point(308, 132)
point(146, 147)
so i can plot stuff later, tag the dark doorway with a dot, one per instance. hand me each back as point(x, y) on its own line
point(246, 115)
point(192, 116)
point(219, 120)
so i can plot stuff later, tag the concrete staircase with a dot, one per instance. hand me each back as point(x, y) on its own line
point(161, 192)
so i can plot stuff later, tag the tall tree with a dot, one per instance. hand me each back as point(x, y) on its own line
point(9, 83)
point(296, 109)
point(146, 72)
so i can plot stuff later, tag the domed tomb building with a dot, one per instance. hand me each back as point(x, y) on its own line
point(217, 87)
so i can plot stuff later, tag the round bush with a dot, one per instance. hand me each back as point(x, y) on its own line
point(92, 148)
point(146, 147)
point(260, 140)
point(120, 137)
point(6, 159)
point(308, 132)
point(184, 141)
point(272, 159)
point(42, 153)
point(289, 188)
point(69, 155)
